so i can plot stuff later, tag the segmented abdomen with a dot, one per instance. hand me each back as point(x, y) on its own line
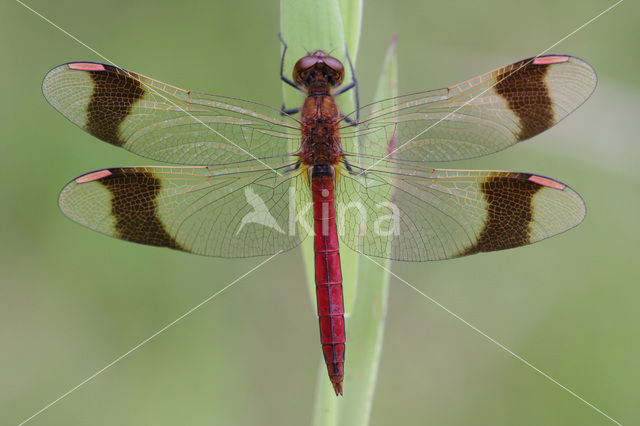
point(328, 275)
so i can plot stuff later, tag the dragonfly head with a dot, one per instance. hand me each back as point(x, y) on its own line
point(318, 65)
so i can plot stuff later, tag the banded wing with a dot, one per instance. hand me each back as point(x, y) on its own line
point(477, 117)
point(193, 209)
point(435, 214)
point(165, 123)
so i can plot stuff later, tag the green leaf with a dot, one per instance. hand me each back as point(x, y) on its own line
point(351, 13)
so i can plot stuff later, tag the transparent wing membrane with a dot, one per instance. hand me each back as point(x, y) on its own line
point(248, 196)
point(165, 123)
point(440, 214)
point(193, 209)
point(480, 116)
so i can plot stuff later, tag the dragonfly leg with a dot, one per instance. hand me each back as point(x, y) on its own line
point(282, 77)
point(290, 111)
point(348, 119)
point(350, 169)
point(292, 169)
point(345, 88)
point(352, 85)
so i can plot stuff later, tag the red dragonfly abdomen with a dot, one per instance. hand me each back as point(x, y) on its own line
point(328, 274)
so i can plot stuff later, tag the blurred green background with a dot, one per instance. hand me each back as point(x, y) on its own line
point(71, 300)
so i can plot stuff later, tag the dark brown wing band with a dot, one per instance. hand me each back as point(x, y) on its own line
point(509, 213)
point(133, 205)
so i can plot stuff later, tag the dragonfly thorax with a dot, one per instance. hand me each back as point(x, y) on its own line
point(320, 119)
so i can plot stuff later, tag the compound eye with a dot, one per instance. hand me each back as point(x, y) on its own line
point(336, 66)
point(302, 65)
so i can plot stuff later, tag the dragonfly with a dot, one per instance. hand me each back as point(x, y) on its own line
point(254, 180)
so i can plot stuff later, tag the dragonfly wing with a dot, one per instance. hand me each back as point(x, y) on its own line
point(477, 117)
point(193, 209)
point(443, 214)
point(165, 123)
